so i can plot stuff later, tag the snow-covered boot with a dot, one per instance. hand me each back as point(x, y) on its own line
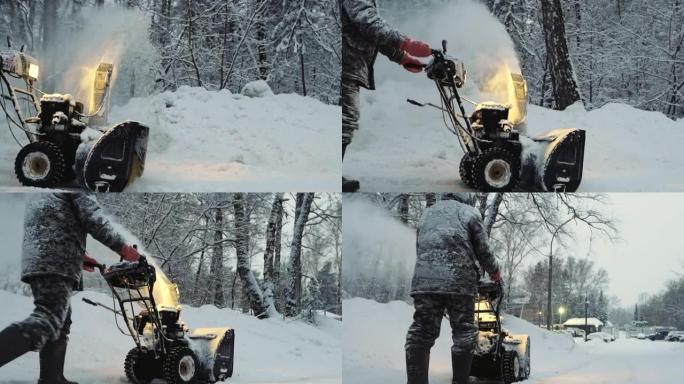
point(52, 363)
point(14, 344)
point(460, 364)
point(350, 185)
point(417, 363)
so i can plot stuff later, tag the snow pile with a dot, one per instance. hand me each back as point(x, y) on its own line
point(378, 249)
point(209, 141)
point(257, 88)
point(403, 147)
point(266, 351)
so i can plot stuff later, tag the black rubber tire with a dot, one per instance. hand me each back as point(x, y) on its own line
point(510, 373)
point(140, 366)
point(172, 368)
point(465, 170)
point(479, 170)
point(55, 161)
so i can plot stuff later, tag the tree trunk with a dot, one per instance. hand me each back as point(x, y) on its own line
point(49, 43)
point(430, 199)
point(562, 80)
point(404, 208)
point(269, 253)
point(256, 297)
point(294, 291)
point(216, 271)
point(278, 292)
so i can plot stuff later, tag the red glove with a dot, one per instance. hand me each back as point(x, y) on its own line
point(411, 64)
point(495, 276)
point(89, 263)
point(416, 48)
point(129, 253)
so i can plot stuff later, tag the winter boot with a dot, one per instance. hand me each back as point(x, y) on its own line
point(350, 185)
point(417, 363)
point(52, 363)
point(13, 343)
point(460, 364)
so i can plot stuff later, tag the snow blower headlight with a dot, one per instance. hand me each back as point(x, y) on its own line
point(20, 65)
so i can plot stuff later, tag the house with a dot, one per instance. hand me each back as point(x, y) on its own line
point(592, 324)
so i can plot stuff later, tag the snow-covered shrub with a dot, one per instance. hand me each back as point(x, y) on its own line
point(258, 88)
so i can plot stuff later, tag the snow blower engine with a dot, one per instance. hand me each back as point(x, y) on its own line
point(499, 355)
point(495, 158)
point(165, 348)
point(64, 143)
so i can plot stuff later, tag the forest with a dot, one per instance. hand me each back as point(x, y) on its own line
point(215, 44)
point(264, 254)
point(596, 52)
point(528, 232)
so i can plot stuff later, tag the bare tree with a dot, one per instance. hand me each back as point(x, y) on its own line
point(294, 291)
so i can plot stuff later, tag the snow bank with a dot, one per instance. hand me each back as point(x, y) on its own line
point(266, 351)
point(217, 141)
point(401, 147)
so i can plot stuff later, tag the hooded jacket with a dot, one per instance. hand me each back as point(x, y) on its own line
point(450, 244)
point(364, 34)
point(55, 230)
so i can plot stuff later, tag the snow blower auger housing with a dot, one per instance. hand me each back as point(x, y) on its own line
point(164, 346)
point(493, 150)
point(499, 355)
point(59, 150)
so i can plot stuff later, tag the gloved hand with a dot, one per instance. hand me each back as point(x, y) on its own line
point(89, 263)
point(411, 64)
point(495, 277)
point(416, 48)
point(129, 253)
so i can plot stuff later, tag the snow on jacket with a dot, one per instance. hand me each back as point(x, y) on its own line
point(55, 230)
point(451, 242)
point(364, 34)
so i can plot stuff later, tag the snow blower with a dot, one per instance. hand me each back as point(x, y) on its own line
point(165, 348)
point(495, 158)
point(499, 355)
point(64, 143)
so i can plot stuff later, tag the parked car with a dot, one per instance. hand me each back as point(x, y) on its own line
point(576, 332)
point(641, 336)
point(605, 337)
point(675, 336)
point(659, 335)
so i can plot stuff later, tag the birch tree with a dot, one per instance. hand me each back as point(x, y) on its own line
point(294, 291)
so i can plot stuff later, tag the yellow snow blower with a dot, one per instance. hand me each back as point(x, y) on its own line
point(64, 143)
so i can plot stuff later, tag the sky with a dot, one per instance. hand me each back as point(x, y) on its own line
point(648, 252)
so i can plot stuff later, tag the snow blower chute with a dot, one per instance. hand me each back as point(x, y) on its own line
point(495, 158)
point(499, 355)
point(165, 348)
point(64, 143)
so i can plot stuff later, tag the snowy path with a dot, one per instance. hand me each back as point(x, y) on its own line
point(205, 141)
point(266, 351)
point(374, 336)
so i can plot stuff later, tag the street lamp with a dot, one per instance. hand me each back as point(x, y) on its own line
point(540, 318)
point(561, 311)
point(586, 310)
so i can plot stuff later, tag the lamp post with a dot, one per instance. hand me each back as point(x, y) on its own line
point(561, 311)
point(540, 318)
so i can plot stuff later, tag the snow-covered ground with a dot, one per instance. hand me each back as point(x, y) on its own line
point(401, 147)
point(218, 141)
point(373, 352)
point(266, 351)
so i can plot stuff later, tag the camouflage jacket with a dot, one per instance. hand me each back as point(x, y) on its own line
point(55, 230)
point(451, 242)
point(364, 34)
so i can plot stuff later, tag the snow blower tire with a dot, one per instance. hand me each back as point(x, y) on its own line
point(465, 170)
point(511, 367)
point(140, 366)
point(181, 366)
point(40, 164)
point(496, 170)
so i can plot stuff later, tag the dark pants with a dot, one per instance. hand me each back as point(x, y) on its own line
point(350, 111)
point(427, 319)
point(51, 317)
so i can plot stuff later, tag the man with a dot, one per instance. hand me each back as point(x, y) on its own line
point(364, 34)
point(451, 243)
point(55, 230)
